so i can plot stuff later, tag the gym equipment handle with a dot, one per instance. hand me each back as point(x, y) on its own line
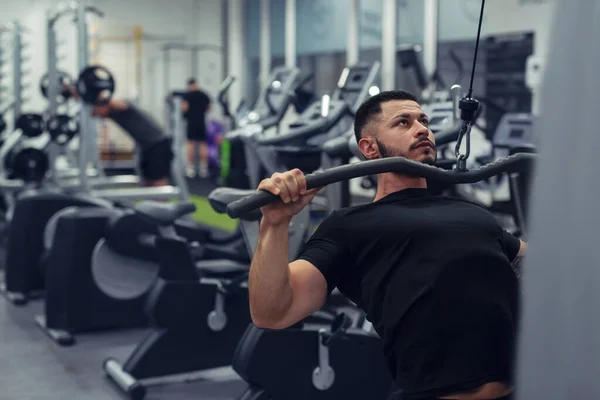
point(514, 163)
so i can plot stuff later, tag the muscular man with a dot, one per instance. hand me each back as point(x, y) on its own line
point(195, 105)
point(437, 276)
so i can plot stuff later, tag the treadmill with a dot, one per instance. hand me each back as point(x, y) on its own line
point(300, 146)
point(270, 108)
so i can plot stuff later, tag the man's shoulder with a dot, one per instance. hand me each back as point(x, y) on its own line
point(201, 94)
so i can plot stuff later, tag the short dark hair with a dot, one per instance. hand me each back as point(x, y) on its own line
point(372, 107)
point(191, 81)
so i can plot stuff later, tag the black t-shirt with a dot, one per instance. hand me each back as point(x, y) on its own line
point(144, 130)
point(198, 103)
point(434, 276)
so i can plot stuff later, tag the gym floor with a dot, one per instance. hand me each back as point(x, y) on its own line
point(33, 367)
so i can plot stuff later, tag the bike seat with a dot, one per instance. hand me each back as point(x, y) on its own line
point(234, 251)
point(163, 214)
point(221, 197)
point(220, 268)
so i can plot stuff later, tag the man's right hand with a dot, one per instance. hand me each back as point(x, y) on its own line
point(290, 186)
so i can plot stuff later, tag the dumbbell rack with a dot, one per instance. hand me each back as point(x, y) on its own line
point(15, 54)
point(15, 137)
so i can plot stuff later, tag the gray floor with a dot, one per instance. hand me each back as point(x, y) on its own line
point(32, 367)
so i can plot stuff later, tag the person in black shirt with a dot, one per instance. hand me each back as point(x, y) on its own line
point(156, 153)
point(195, 105)
point(437, 276)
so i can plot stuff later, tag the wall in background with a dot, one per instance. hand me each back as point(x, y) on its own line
point(187, 21)
point(521, 16)
point(322, 24)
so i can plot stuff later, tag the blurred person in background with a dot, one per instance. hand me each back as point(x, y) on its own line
point(195, 105)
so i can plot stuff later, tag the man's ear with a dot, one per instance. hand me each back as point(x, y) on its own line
point(368, 147)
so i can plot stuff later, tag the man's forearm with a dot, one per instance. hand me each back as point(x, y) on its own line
point(269, 281)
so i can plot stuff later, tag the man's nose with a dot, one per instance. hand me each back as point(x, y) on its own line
point(421, 130)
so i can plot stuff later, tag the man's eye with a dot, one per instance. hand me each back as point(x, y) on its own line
point(425, 122)
point(403, 122)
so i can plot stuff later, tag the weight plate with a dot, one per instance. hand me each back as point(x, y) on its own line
point(32, 125)
point(62, 128)
point(95, 85)
point(63, 80)
point(30, 164)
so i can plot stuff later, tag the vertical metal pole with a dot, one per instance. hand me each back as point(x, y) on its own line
point(138, 37)
point(179, 165)
point(17, 71)
point(430, 37)
point(265, 41)
point(195, 54)
point(53, 88)
point(166, 69)
point(236, 56)
point(86, 123)
point(2, 75)
point(290, 33)
point(224, 39)
point(52, 66)
point(352, 46)
point(388, 45)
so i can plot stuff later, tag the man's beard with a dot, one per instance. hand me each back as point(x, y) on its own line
point(386, 152)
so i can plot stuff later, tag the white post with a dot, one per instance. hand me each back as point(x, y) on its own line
point(236, 57)
point(290, 33)
point(388, 45)
point(265, 41)
point(430, 37)
point(352, 49)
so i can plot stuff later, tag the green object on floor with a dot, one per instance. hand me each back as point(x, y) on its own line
point(206, 215)
point(225, 159)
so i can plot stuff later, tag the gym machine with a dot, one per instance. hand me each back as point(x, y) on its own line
point(91, 177)
point(212, 307)
point(289, 370)
point(211, 304)
point(85, 247)
point(266, 114)
point(32, 212)
point(62, 117)
point(300, 146)
point(334, 361)
point(341, 358)
point(99, 264)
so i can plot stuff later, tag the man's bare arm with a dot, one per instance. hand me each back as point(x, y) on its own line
point(282, 294)
point(517, 263)
point(185, 106)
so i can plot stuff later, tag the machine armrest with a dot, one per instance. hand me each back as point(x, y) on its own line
point(221, 197)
